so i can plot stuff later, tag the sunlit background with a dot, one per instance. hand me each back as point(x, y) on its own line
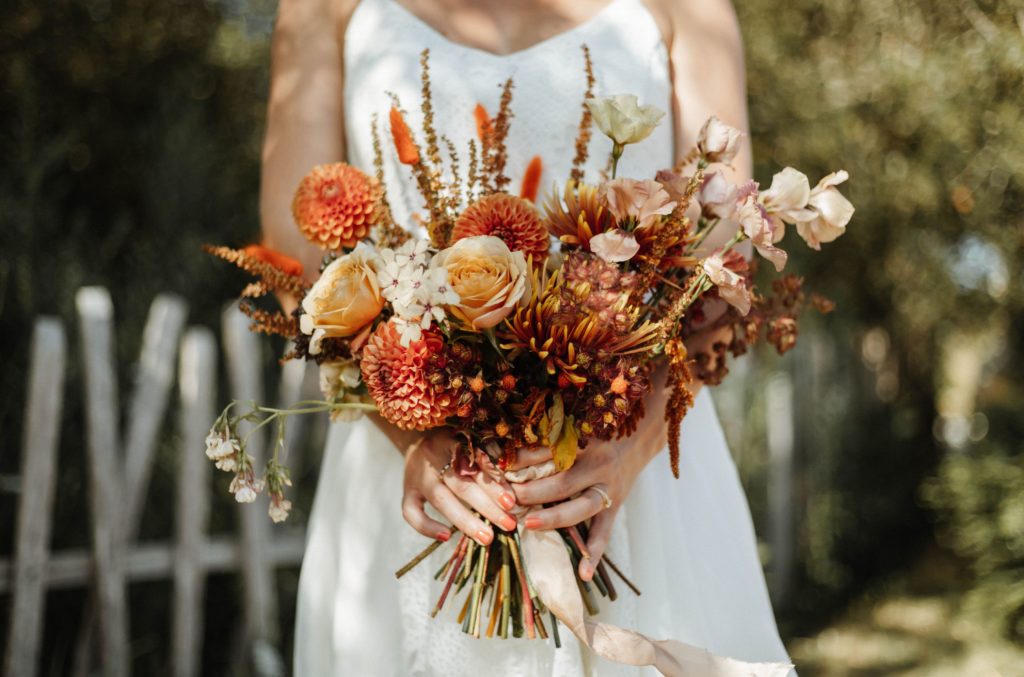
point(883, 458)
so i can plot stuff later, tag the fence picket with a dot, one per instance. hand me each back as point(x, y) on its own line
point(245, 372)
point(149, 400)
point(95, 311)
point(197, 383)
point(35, 504)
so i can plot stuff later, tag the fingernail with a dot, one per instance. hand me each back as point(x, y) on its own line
point(508, 524)
point(586, 571)
point(532, 522)
point(443, 536)
point(484, 537)
point(507, 500)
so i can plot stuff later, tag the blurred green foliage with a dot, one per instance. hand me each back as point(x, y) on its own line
point(130, 132)
point(921, 102)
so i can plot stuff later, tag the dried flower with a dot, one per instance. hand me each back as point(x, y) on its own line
point(622, 119)
point(335, 205)
point(718, 142)
point(512, 219)
point(831, 212)
point(399, 378)
point(488, 278)
point(345, 299)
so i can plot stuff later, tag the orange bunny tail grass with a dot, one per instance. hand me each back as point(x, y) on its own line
point(282, 262)
point(272, 277)
point(681, 399)
point(531, 179)
point(586, 121)
point(408, 151)
point(266, 322)
point(484, 124)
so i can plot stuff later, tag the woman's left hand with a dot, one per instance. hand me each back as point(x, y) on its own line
point(579, 493)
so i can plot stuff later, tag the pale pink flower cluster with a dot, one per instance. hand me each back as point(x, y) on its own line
point(820, 214)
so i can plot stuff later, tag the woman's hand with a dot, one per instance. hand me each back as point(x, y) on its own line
point(450, 493)
point(603, 468)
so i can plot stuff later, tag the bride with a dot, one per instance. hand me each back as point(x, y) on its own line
point(688, 543)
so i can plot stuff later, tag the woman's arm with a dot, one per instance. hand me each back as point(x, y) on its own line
point(304, 115)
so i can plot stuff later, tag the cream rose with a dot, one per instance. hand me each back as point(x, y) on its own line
point(488, 277)
point(345, 299)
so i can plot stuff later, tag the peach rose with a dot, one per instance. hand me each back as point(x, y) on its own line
point(345, 299)
point(488, 277)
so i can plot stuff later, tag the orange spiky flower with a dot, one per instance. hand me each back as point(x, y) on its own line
point(568, 338)
point(577, 215)
point(512, 219)
point(531, 179)
point(335, 205)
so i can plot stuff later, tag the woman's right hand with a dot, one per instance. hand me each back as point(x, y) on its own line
point(452, 494)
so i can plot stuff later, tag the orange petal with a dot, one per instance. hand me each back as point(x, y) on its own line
point(285, 264)
point(531, 179)
point(408, 154)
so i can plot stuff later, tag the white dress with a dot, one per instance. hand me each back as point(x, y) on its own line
point(688, 544)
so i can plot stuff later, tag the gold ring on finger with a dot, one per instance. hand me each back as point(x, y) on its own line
point(442, 471)
point(605, 498)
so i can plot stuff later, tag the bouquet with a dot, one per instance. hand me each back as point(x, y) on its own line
point(518, 324)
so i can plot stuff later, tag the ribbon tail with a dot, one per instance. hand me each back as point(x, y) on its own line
point(553, 578)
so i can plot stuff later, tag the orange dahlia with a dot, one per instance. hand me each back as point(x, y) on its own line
point(335, 205)
point(512, 219)
point(399, 378)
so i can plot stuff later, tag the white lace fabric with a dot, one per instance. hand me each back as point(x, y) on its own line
point(688, 544)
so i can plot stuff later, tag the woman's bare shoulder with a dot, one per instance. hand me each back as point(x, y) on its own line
point(697, 24)
point(306, 17)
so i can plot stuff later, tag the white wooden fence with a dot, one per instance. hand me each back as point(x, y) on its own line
point(118, 481)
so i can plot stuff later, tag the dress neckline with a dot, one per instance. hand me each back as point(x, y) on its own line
point(599, 16)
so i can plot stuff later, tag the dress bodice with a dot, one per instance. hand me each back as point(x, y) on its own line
point(383, 43)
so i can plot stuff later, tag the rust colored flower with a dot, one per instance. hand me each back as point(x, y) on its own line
point(512, 219)
point(401, 380)
point(335, 205)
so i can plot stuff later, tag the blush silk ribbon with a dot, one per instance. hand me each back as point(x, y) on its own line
point(551, 572)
